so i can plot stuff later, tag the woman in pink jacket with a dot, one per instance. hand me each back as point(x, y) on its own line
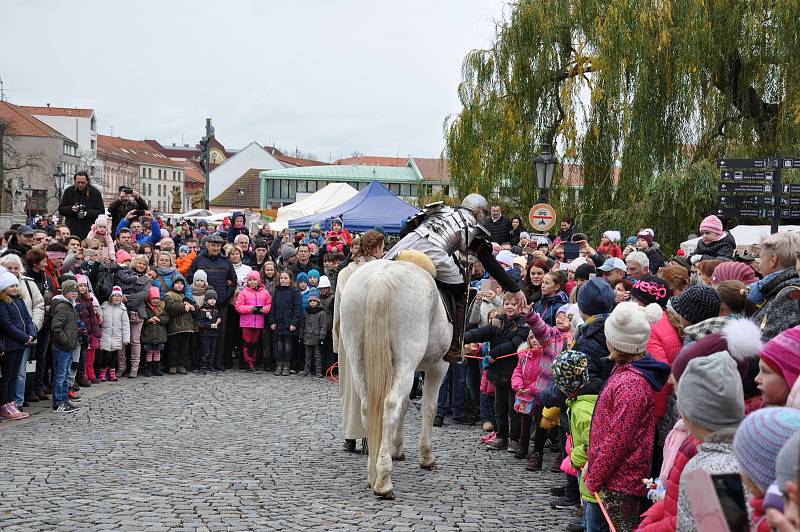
point(252, 304)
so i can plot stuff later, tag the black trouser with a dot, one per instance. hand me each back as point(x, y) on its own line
point(313, 357)
point(530, 422)
point(42, 349)
point(223, 358)
point(105, 359)
point(9, 367)
point(208, 348)
point(179, 350)
point(503, 409)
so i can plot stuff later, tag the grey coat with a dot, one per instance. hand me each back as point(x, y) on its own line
point(781, 309)
point(316, 327)
point(715, 456)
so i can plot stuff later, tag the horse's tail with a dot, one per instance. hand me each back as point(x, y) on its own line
point(377, 358)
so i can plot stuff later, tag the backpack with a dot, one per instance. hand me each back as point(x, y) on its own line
point(103, 285)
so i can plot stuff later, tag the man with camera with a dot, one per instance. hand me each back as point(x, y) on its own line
point(80, 205)
point(128, 201)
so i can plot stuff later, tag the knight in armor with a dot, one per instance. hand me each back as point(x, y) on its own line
point(440, 231)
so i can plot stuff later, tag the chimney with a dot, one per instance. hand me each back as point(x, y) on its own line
point(48, 105)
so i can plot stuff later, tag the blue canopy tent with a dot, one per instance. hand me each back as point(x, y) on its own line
point(372, 206)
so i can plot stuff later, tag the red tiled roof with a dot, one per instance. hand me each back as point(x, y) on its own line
point(294, 161)
point(58, 111)
point(22, 123)
point(572, 175)
point(431, 169)
point(138, 150)
point(192, 172)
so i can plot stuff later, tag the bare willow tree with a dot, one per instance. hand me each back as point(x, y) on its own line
point(15, 161)
point(659, 88)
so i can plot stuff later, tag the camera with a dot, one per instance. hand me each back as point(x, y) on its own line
point(81, 210)
point(127, 190)
point(139, 212)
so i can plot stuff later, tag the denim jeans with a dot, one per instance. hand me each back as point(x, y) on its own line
point(593, 518)
point(42, 344)
point(21, 376)
point(62, 360)
point(458, 374)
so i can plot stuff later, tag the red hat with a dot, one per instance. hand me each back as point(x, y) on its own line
point(733, 271)
point(123, 256)
point(782, 354)
point(646, 236)
point(155, 293)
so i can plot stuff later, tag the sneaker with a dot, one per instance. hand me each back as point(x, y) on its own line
point(65, 408)
point(73, 405)
point(499, 444)
point(438, 421)
point(564, 503)
point(463, 420)
point(486, 438)
point(558, 491)
point(535, 464)
point(42, 396)
point(491, 439)
point(556, 465)
point(513, 446)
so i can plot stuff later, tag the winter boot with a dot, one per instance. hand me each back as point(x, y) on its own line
point(285, 371)
point(278, 369)
point(534, 462)
point(454, 355)
point(157, 371)
point(112, 375)
point(148, 367)
point(103, 374)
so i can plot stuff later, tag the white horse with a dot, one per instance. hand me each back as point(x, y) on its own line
point(394, 323)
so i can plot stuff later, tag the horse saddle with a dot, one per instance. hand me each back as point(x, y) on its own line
point(449, 304)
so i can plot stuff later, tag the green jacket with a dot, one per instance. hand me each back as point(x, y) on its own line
point(64, 324)
point(581, 409)
point(180, 321)
point(154, 333)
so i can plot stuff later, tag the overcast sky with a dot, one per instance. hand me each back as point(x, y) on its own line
point(329, 77)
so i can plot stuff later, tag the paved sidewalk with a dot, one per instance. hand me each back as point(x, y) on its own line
point(239, 451)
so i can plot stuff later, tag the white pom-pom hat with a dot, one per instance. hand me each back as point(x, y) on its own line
point(628, 327)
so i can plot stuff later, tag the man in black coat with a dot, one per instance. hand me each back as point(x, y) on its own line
point(81, 204)
point(20, 243)
point(498, 225)
point(128, 201)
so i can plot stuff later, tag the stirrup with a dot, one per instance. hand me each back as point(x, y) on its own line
point(453, 357)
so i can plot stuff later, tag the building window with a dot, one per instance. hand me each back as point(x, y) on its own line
point(312, 186)
point(301, 185)
point(446, 190)
point(413, 190)
point(93, 144)
point(394, 188)
point(149, 189)
point(405, 189)
point(150, 173)
point(284, 189)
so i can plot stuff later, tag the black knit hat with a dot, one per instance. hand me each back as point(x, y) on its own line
point(697, 304)
point(651, 289)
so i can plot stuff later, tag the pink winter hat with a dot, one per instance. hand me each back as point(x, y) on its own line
point(712, 224)
point(733, 271)
point(155, 293)
point(253, 276)
point(782, 354)
point(123, 256)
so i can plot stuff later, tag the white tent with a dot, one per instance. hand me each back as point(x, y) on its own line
point(322, 200)
point(195, 213)
point(745, 236)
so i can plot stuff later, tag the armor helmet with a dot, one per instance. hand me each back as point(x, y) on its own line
point(477, 204)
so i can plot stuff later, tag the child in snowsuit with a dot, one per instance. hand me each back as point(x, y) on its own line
point(208, 322)
point(180, 327)
point(115, 335)
point(154, 332)
point(314, 332)
point(253, 304)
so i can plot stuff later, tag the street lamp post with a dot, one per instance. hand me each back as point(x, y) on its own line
point(59, 177)
point(545, 165)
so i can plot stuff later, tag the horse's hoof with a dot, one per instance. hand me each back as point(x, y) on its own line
point(430, 467)
point(399, 458)
point(388, 496)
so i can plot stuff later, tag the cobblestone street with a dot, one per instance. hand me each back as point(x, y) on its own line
point(240, 451)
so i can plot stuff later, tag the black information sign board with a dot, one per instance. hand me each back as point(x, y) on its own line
point(745, 188)
point(735, 176)
point(747, 201)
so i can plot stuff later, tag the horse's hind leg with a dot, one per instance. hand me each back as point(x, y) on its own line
point(393, 408)
point(434, 375)
point(398, 452)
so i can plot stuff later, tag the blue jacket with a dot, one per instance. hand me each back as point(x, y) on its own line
point(233, 232)
point(16, 323)
point(169, 278)
point(219, 270)
point(308, 292)
point(155, 232)
point(287, 309)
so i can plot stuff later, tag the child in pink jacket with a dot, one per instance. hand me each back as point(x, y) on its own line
point(252, 304)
